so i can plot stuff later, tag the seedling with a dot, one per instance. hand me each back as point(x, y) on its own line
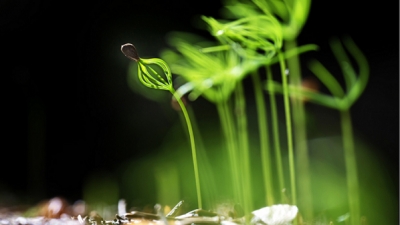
point(152, 79)
point(260, 35)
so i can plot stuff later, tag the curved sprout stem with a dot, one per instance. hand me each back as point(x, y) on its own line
point(192, 145)
point(152, 79)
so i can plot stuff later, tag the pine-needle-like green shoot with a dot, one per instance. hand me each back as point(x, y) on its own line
point(152, 79)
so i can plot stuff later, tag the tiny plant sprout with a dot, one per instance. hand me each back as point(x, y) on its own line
point(152, 79)
point(147, 75)
point(261, 36)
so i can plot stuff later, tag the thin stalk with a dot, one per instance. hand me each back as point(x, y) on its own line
point(207, 176)
point(227, 128)
point(264, 138)
point(243, 144)
point(300, 137)
point(192, 145)
point(275, 134)
point(288, 128)
point(351, 167)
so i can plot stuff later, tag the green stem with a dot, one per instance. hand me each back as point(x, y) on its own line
point(275, 132)
point(288, 128)
point(192, 145)
point(209, 194)
point(351, 167)
point(300, 137)
point(228, 130)
point(264, 138)
point(241, 116)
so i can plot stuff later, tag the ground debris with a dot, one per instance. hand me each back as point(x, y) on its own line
point(19, 220)
point(56, 211)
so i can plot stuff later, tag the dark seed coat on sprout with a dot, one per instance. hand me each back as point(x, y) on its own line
point(129, 51)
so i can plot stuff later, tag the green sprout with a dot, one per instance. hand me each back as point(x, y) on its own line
point(341, 101)
point(152, 79)
point(292, 16)
point(147, 75)
point(261, 34)
point(263, 25)
point(215, 72)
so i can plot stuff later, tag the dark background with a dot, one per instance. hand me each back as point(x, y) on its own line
point(68, 110)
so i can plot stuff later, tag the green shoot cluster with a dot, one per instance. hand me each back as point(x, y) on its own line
point(253, 37)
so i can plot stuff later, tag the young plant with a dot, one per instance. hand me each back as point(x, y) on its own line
point(261, 34)
point(149, 77)
point(341, 101)
point(245, 45)
point(216, 73)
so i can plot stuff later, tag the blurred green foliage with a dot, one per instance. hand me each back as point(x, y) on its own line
point(252, 37)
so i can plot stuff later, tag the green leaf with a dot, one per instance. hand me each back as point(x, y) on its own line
point(151, 77)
